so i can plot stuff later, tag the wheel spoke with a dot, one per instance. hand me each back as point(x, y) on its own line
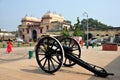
point(41, 54)
point(42, 58)
point(70, 42)
point(55, 60)
point(44, 63)
point(70, 61)
point(48, 43)
point(54, 51)
point(45, 48)
point(72, 45)
point(76, 54)
point(52, 45)
point(52, 64)
point(75, 49)
point(49, 64)
point(65, 60)
point(56, 54)
point(42, 49)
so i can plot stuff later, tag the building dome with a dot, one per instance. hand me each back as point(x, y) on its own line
point(54, 16)
point(27, 18)
point(50, 14)
point(35, 19)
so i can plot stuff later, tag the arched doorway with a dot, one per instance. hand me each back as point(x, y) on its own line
point(117, 39)
point(23, 36)
point(34, 35)
point(90, 36)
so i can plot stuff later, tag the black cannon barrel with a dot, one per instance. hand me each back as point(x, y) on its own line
point(66, 49)
point(98, 71)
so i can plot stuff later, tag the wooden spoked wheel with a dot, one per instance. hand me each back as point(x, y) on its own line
point(49, 54)
point(73, 48)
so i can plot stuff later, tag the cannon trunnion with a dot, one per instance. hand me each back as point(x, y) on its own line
point(52, 53)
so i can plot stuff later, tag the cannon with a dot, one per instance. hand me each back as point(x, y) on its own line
point(51, 53)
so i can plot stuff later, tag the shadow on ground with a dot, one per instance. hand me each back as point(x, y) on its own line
point(5, 60)
point(113, 67)
point(36, 70)
point(74, 72)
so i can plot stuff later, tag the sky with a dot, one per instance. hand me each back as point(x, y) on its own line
point(12, 11)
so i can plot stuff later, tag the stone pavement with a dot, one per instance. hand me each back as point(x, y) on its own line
point(17, 66)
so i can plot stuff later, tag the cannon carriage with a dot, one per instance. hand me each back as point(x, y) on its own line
point(52, 53)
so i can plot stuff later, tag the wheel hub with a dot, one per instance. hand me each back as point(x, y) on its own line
point(48, 54)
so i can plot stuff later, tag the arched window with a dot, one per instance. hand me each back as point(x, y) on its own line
point(23, 36)
point(41, 30)
point(47, 27)
point(106, 35)
point(27, 30)
point(23, 29)
point(97, 35)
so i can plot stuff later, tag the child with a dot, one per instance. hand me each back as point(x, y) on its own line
point(9, 46)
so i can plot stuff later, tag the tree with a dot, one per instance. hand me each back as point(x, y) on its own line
point(93, 24)
point(65, 32)
point(77, 31)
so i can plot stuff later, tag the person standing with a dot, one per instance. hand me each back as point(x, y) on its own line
point(81, 43)
point(9, 46)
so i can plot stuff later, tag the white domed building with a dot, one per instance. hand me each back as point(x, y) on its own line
point(31, 28)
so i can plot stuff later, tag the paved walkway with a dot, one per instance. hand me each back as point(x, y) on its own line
point(17, 66)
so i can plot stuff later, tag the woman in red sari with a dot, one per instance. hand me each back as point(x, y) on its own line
point(81, 43)
point(9, 46)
